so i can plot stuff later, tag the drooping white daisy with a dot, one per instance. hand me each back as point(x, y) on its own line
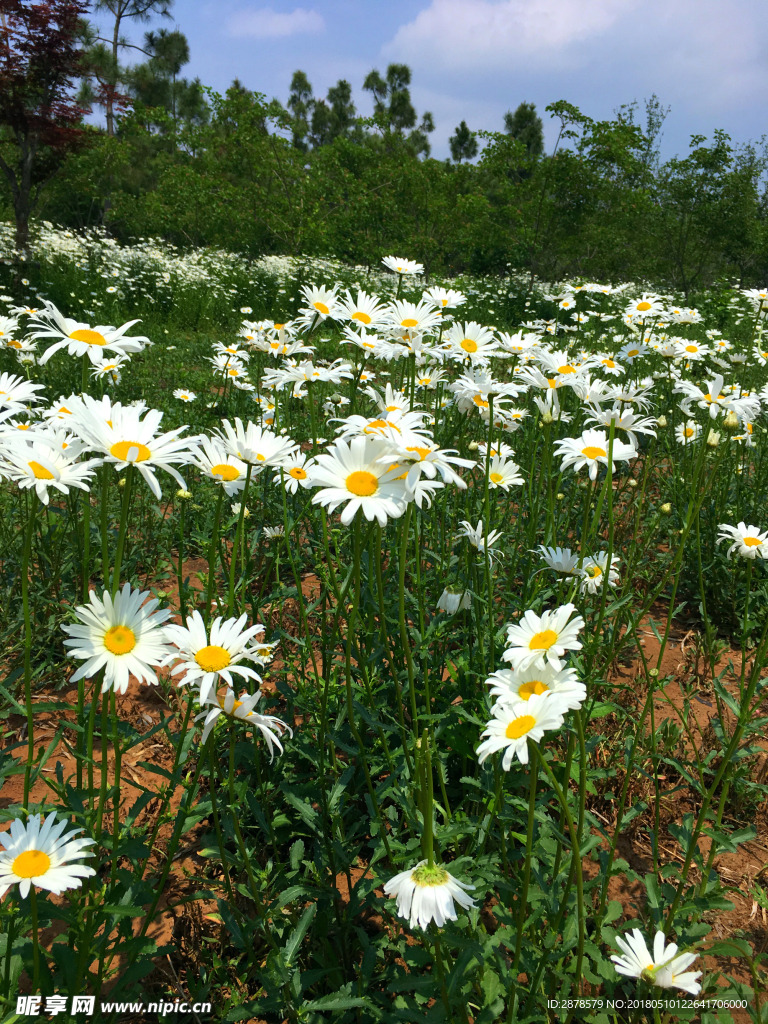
point(242, 709)
point(475, 536)
point(562, 560)
point(515, 687)
point(453, 599)
point(402, 266)
point(16, 393)
point(427, 894)
point(514, 723)
point(538, 639)
point(80, 339)
point(595, 572)
point(256, 445)
point(202, 661)
point(354, 473)
point(591, 449)
point(666, 968)
point(747, 541)
point(38, 854)
point(124, 637)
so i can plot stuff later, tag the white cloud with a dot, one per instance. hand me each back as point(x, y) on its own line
point(463, 33)
point(268, 24)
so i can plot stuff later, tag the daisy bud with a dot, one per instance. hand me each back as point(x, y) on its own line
point(731, 422)
point(121, 482)
point(661, 421)
point(183, 495)
point(547, 418)
point(559, 496)
point(713, 439)
point(666, 508)
point(473, 446)
point(632, 482)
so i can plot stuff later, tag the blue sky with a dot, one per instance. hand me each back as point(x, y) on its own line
point(475, 59)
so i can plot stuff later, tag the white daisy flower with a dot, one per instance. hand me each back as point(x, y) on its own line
point(594, 570)
point(402, 266)
point(514, 723)
point(16, 393)
point(503, 473)
point(41, 464)
point(365, 309)
point(241, 709)
point(127, 439)
point(205, 662)
point(537, 639)
point(427, 894)
point(474, 534)
point(296, 469)
point(124, 637)
point(353, 473)
point(38, 854)
point(184, 395)
point(591, 449)
point(516, 687)
point(747, 541)
point(80, 339)
point(665, 969)
point(218, 465)
point(688, 432)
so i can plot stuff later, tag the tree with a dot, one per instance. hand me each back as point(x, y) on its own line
point(526, 126)
point(122, 10)
point(463, 144)
point(156, 84)
point(394, 110)
point(39, 59)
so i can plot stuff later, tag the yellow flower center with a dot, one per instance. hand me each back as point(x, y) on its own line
point(63, 410)
point(689, 431)
point(298, 473)
point(552, 382)
point(13, 344)
point(519, 727)
point(31, 864)
point(481, 402)
point(121, 449)
point(469, 345)
point(362, 483)
point(634, 352)
point(378, 425)
point(543, 641)
point(233, 372)
point(752, 542)
point(594, 453)
point(496, 478)
point(691, 348)
point(528, 689)
point(593, 571)
point(643, 306)
point(22, 426)
point(120, 640)
point(362, 317)
point(212, 658)
point(609, 363)
point(567, 368)
point(225, 471)
point(89, 337)
point(409, 322)
point(321, 308)
point(279, 327)
point(41, 473)
point(421, 452)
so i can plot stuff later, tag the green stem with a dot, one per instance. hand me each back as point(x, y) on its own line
point(236, 545)
point(212, 550)
point(123, 528)
point(26, 558)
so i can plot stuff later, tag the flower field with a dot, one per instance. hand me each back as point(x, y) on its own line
point(380, 648)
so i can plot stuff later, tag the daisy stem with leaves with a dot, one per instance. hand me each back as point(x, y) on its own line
point(236, 545)
point(25, 562)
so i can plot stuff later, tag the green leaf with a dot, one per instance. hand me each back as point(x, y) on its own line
point(298, 933)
